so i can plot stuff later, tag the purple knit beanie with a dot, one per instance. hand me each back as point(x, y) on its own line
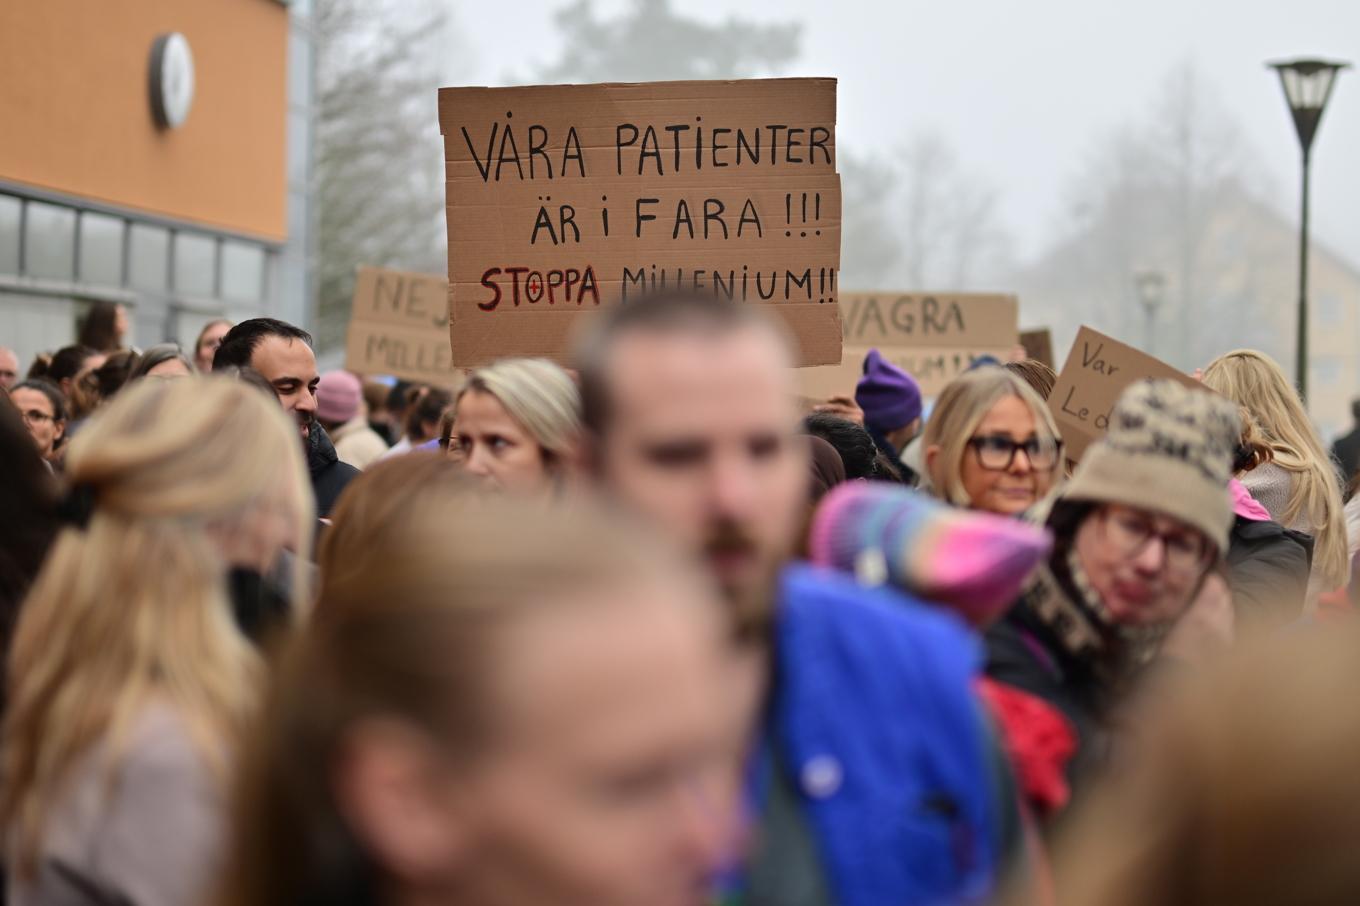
point(888, 395)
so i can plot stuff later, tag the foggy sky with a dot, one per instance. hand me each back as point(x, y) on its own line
point(1024, 91)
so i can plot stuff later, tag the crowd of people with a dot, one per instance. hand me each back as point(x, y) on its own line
point(656, 630)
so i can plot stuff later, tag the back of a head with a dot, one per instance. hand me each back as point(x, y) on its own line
point(537, 394)
point(412, 637)
point(134, 587)
point(858, 452)
point(425, 405)
point(1252, 379)
point(1039, 376)
point(99, 329)
point(159, 355)
point(378, 500)
point(959, 409)
point(659, 313)
point(1240, 790)
point(68, 362)
point(239, 344)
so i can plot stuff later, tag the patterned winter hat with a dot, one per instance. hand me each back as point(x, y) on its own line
point(1169, 450)
point(972, 562)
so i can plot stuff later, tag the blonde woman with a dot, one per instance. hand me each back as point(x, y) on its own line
point(517, 425)
point(129, 680)
point(1298, 487)
point(991, 444)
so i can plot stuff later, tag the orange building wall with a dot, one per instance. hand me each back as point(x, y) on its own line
point(75, 114)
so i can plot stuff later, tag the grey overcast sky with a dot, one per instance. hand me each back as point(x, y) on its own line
point(1025, 88)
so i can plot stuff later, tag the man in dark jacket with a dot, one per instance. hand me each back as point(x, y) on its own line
point(1346, 450)
point(873, 774)
point(283, 354)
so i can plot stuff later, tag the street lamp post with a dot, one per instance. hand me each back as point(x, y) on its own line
point(1151, 288)
point(1307, 86)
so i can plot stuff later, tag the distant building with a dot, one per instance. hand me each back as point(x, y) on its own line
point(1243, 292)
point(154, 154)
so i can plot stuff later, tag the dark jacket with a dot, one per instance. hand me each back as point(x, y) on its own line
point(1267, 567)
point(329, 474)
point(1346, 452)
point(1024, 652)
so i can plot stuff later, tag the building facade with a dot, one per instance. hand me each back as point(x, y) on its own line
point(155, 153)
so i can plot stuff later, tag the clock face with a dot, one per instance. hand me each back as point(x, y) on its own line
point(172, 79)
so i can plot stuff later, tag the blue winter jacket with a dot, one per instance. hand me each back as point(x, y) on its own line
point(874, 712)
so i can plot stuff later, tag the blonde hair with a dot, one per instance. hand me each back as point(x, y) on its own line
point(133, 606)
point(409, 636)
point(539, 395)
point(1254, 380)
point(960, 408)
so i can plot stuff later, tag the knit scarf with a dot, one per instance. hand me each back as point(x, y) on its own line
point(1065, 601)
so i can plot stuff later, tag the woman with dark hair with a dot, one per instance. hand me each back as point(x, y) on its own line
point(97, 386)
point(65, 365)
point(104, 327)
point(859, 454)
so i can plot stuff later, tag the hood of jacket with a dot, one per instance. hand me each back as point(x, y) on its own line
point(1244, 504)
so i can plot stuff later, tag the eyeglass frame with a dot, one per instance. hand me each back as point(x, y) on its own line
point(1016, 446)
point(33, 415)
point(1202, 563)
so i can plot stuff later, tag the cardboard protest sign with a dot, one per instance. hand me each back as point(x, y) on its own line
point(934, 337)
point(1097, 371)
point(399, 325)
point(1038, 345)
point(564, 199)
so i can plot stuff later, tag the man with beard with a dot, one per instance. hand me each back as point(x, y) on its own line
point(283, 354)
point(873, 777)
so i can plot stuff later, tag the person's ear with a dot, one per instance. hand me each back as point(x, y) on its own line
point(396, 793)
point(61, 430)
point(932, 456)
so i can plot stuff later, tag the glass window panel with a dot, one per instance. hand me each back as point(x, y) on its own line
point(147, 257)
point(50, 248)
point(242, 271)
point(194, 264)
point(9, 234)
point(101, 249)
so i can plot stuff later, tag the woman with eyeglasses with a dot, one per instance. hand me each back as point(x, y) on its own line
point(1138, 533)
point(991, 444)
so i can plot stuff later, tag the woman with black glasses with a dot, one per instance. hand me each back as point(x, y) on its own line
point(1138, 533)
point(991, 444)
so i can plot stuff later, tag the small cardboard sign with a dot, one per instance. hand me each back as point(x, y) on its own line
point(1038, 345)
point(1097, 371)
point(934, 337)
point(564, 199)
point(399, 325)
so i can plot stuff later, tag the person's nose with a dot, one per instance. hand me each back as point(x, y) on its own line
point(731, 487)
point(477, 460)
point(1151, 558)
point(306, 401)
point(1020, 463)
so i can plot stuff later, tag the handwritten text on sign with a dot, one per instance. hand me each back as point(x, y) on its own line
point(935, 337)
point(399, 325)
point(1098, 370)
point(563, 199)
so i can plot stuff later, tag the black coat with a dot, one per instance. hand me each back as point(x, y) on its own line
point(329, 474)
point(1346, 451)
point(1268, 567)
